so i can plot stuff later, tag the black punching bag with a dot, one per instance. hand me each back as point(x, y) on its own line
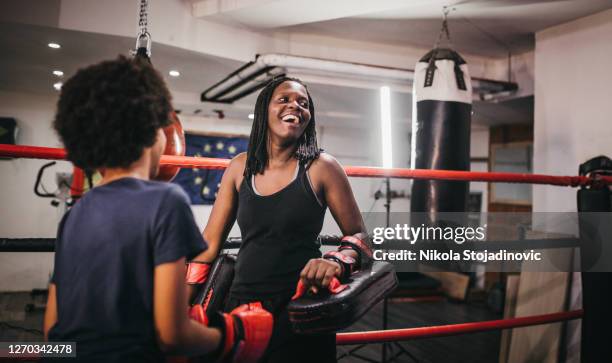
point(595, 225)
point(441, 117)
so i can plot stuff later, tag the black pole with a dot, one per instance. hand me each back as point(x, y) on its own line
point(388, 215)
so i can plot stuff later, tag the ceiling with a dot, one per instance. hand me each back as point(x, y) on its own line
point(28, 68)
point(480, 27)
point(488, 28)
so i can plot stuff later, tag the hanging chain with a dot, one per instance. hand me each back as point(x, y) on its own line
point(142, 21)
point(143, 40)
point(444, 30)
point(431, 67)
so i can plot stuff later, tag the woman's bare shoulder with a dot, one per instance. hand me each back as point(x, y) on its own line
point(235, 170)
point(238, 162)
point(326, 164)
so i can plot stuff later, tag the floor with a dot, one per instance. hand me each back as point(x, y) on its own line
point(472, 348)
point(18, 325)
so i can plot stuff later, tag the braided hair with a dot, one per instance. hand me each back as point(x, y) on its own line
point(257, 152)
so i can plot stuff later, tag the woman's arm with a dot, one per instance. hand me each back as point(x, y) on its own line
point(339, 197)
point(50, 312)
point(328, 177)
point(223, 214)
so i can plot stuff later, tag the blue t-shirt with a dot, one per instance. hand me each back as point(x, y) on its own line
point(106, 251)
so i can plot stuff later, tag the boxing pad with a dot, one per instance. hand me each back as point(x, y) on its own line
point(212, 294)
point(441, 117)
point(330, 312)
point(175, 146)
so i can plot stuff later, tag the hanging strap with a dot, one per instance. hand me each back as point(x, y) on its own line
point(444, 30)
point(431, 67)
point(459, 77)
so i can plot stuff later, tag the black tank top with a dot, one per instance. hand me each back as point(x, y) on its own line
point(279, 235)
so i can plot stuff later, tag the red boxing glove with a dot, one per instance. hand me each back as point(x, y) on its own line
point(246, 333)
point(197, 272)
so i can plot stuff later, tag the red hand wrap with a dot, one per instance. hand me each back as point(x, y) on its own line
point(342, 257)
point(354, 243)
point(347, 263)
point(197, 272)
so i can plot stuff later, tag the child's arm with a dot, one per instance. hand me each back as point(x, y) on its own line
point(240, 336)
point(175, 331)
point(50, 311)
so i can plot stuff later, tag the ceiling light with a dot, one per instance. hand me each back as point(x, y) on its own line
point(174, 73)
point(54, 45)
point(251, 116)
point(57, 86)
point(58, 73)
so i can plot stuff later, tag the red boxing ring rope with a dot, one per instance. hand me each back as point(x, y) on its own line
point(393, 335)
point(35, 152)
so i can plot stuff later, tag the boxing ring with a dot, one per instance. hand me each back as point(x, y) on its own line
point(37, 152)
point(391, 335)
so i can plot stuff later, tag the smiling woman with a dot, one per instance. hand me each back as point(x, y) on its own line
point(278, 192)
point(288, 113)
point(287, 99)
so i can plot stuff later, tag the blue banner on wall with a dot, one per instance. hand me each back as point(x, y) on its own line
point(202, 184)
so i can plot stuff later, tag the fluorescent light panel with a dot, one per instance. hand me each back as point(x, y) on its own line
point(385, 123)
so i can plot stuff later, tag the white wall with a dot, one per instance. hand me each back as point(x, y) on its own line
point(23, 214)
point(572, 117)
point(572, 103)
point(479, 148)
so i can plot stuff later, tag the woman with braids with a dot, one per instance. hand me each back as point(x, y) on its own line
point(278, 192)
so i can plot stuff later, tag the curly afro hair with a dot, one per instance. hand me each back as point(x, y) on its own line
point(109, 112)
